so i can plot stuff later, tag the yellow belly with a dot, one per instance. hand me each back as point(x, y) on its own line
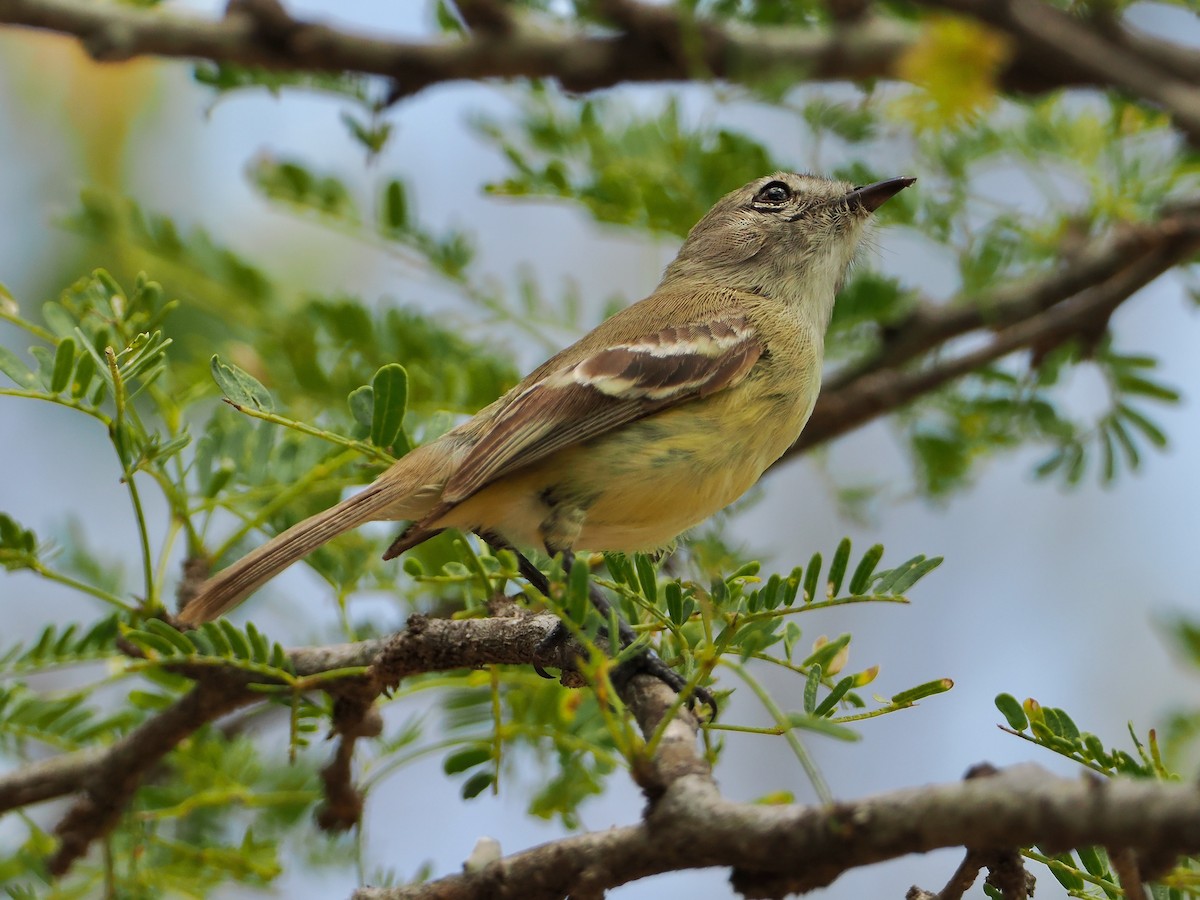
point(671, 472)
point(642, 485)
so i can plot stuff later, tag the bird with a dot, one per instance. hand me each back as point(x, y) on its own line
point(665, 413)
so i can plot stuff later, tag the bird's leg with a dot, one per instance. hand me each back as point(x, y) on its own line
point(601, 605)
point(645, 663)
point(536, 577)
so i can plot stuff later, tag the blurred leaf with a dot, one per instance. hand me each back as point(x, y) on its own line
point(389, 393)
point(581, 152)
point(240, 387)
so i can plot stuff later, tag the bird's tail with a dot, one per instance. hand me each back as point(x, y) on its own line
point(231, 585)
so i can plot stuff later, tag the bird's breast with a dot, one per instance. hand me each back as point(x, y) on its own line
point(649, 481)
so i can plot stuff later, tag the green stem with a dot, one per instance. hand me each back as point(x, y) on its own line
point(825, 604)
point(286, 496)
point(789, 733)
point(36, 330)
point(1051, 863)
point(118, 439)
point(747, 729)
point(362, 447)
point(82, 587)
point(476, 566)
point(69, 402)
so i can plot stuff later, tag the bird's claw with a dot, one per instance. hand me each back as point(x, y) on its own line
point(650, 663)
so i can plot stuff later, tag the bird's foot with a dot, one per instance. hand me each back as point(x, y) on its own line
point(647, 662)
point(551, 643)
point(650, 663)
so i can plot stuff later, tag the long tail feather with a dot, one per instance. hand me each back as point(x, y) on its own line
point(231, 585)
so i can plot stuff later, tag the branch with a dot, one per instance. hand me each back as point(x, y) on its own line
point(1073, 302)
point(107, 778)
point(1101, 51)
point(775, 850)
point(652, 43)
point(108, 781)
point(262, 33)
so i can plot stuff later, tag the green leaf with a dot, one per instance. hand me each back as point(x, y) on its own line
point(468, 758)
point(1121, 433)
point(361, 401)
point(821, 726)
point(647, 577)
point(292, 183)
point(15, 369)
point(178, 640)
point(1060, 723)
point(1133, 384)
point(824, 655)
point(826, 706)
point(239, 646)
point(1095, 750)
point(216, 637)
point(576, 601)
point(477, 784)
point(791, 586)
point(810, 578)
point(674, 596)
point(1093, 861)
point(394, 208)
point(1152, 432)
point(447, 19)
point(1012, 711)
point(811, 683)
point(791, 635)
point(372, 134)
point(83, 375)
point(1065, 872)
point(18, 545)
point(389, 391)
point(921, 691)
point(861, 579)
point(64, 362)
point(240, 387)
point(837, 567)
point(900, 579)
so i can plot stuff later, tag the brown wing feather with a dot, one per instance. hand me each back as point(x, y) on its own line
point(614, 386)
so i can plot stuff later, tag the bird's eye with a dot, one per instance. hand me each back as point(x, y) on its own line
point(775, 192)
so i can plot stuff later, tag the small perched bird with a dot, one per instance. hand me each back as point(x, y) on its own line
point(664, 414)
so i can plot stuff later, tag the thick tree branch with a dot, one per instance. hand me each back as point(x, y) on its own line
point(775, 850)
point(106, 778)
point(651, 43)
point(1075, 301)
point(263, 34)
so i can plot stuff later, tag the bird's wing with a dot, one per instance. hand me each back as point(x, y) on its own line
point(607, 389)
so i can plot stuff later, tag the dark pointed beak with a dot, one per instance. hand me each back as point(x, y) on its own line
point(875, 195)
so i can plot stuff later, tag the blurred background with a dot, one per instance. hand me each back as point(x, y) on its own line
point(1044, 592)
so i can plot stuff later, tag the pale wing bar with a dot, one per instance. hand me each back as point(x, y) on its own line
point(606, 390)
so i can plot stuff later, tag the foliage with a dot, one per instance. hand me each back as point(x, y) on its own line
point(243, 404)
point(1088, 872)
point(112, 356)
